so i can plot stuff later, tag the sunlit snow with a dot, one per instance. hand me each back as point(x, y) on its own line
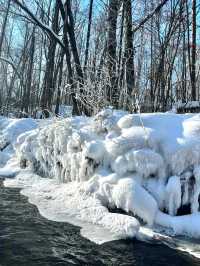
point(81, 168)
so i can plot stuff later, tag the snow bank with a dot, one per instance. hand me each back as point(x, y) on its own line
point(10, 129)
point(130, 196)
point(181, 225)
point(148, 166)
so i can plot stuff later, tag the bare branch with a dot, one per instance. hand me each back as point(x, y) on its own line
point(12, 64)
point(157, 9)
point(46, 28)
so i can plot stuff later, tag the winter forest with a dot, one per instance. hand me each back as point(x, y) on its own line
point(99, 132)
point(93, 54)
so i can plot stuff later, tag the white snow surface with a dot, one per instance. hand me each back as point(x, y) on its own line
point(10, 129)
point(143, 164)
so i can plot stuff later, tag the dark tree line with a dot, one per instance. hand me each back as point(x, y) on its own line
point(92, 54)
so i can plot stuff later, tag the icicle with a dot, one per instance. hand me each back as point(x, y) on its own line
point(173, 195)
point(196, 193)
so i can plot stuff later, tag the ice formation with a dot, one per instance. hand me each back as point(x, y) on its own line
point(146, 165)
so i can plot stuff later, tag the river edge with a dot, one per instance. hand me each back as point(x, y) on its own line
point(38, 241)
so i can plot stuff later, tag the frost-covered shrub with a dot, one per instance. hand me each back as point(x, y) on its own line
point(142, 165)
point(186, 157)
point(146, 162)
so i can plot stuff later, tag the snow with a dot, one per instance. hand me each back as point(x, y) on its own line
point(128, 121)
point(10, 129)
point(173, 195)
point(15, 127)
point(68, 202)
point(145, 162)
point(185, 224)
point(94, 150)
point(121, 224)
point(130, 196)
point(148, 165)
point(10, 169)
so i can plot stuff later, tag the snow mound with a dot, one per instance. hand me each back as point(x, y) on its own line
point(147, 165)
point(130, 196)
point(10, 129)
point(15, 127)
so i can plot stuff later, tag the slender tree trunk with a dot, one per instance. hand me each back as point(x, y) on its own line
point(29, 73)
point(72, 40)
point(184, 72)
point(46, 98)
point(129, 52)
point(69, 38)
point(119, 66)
point(193, 61)
point(112, 92)
point(1, 42)
point(152, 70)
point(59, 82)
point(4, 26)
point(88, 34)
point(76, 110)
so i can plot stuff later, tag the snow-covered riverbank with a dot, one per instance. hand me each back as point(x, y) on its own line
point(146, 165)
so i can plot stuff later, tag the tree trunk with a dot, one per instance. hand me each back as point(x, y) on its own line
point(129, 52)
point(29, 73)
point(72, 40)
point(46, 98)
point(88, 34)
point(193, 61)
point(4, 26)
point(59, 83)
point(112, 93)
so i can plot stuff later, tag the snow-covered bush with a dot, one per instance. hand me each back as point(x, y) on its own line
point(142, 164)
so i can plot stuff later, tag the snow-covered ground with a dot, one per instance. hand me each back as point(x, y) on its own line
point(146, 165)
point(10, 129)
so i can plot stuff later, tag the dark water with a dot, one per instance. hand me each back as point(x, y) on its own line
point(27, 239)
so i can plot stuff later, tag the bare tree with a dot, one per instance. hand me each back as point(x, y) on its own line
point(193, 61)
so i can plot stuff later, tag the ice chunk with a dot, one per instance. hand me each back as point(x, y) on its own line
point(181, 225)
point(145, 162)
point(94, 150)
point(122, 225)
point(128, 121)
point(130, 196)
point(120, 165)
point(173, 195)
point(187, 155)
point(191, 127)
point(157, 189)
point(130, 138)
point(185, 179)
point(196, 192)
